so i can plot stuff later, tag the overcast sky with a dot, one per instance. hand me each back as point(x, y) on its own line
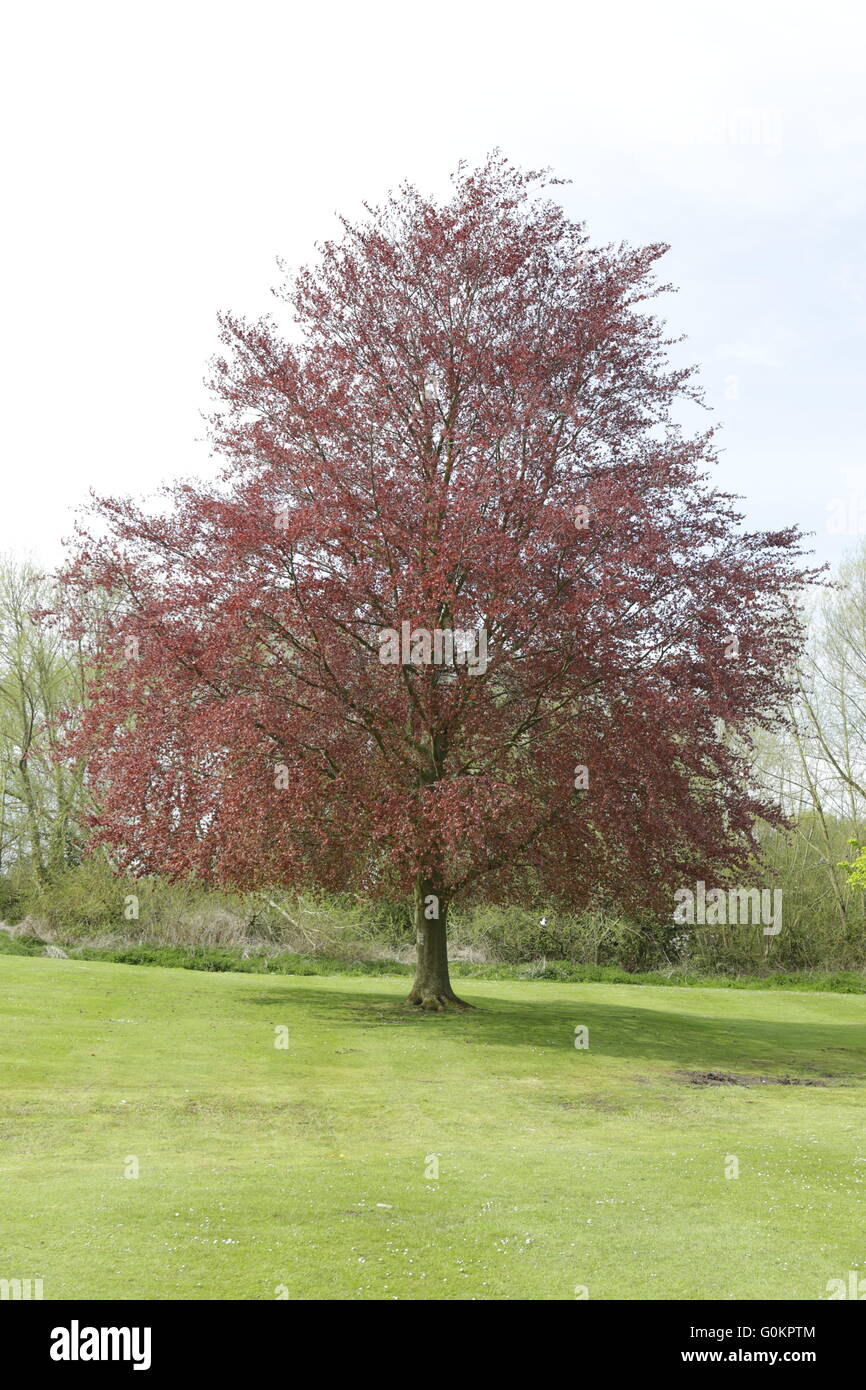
point(157, 160)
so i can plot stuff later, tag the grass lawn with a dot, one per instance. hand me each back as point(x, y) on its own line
point(310, 1171)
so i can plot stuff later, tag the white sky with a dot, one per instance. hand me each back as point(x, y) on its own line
point(157, 159)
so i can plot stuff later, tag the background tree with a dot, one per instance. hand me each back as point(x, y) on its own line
point(471, 427)
point(821, 761)
point(41, 678)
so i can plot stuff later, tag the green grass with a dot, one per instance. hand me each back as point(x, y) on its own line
point(309, 1168)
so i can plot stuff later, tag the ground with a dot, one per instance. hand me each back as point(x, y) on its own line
point(310, 1171)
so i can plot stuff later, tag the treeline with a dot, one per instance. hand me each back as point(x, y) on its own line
point(52, 884)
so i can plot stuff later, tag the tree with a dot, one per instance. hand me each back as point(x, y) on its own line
point(42, 794)
point(466, 440)
point(827, 734)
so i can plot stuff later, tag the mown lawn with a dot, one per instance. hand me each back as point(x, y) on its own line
point(310, 1171)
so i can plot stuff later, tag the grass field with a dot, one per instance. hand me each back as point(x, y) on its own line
point(310, 1171)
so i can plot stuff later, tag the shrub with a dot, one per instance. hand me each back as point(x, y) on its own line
point(12, 899)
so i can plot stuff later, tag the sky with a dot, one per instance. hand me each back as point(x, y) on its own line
point(157, 160)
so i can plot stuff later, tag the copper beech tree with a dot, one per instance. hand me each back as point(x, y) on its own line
point(464, 616)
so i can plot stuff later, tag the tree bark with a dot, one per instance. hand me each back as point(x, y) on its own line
point(432, 987)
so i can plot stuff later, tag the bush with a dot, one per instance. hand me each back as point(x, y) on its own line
point(518, 935)
point(89, 904)
point(83, 900)
point(12, 899)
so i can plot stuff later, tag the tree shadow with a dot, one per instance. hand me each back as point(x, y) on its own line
point(627, 1030)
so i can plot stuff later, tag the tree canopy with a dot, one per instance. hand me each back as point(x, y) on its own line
point(460, 430)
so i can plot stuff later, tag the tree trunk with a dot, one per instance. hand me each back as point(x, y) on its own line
point(29, 800)
point(432, 987)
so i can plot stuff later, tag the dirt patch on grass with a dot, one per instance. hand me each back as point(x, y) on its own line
point(725, 1078)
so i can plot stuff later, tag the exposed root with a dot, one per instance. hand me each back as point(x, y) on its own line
point(436, 1003)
